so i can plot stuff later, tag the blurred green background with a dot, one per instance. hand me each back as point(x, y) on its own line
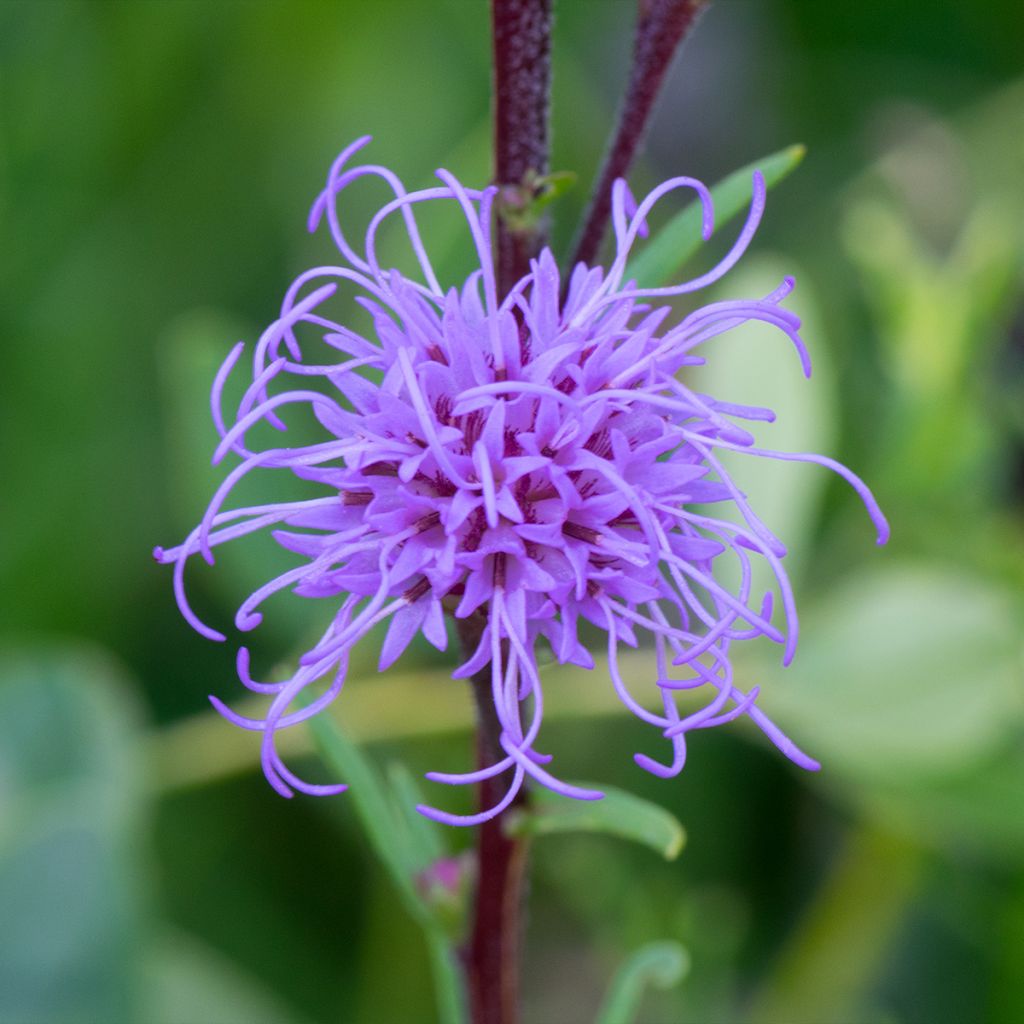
point(157, 159)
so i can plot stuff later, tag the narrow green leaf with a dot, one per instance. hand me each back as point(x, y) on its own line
point(187, 980)
point(448, 975)
point(372, 804)
point(401, 850)
point(619, 814)
point(681, 237)
point(662, 964)
point(426, 837)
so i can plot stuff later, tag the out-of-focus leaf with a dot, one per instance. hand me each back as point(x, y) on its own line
point(70, 877)
point(681, 237)
point(619, 814)
point(372, 802)
point(661, 964)
point(905, 673)
point(979, 811)
point(425, 837)
point(940, 266)
point(401, 850)
point(826, 969)
point(188, 981)
point(1007, 993)
point(755, 364)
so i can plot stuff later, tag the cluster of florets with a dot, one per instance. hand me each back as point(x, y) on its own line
point(526, 462)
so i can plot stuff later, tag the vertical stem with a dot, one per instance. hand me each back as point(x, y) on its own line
point(522, 83)
point(492, 954)
point(660, 28)
point(497, 920)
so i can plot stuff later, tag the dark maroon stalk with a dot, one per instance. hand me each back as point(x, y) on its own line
point(660, 28)
point(492, 953)
point(522, 84)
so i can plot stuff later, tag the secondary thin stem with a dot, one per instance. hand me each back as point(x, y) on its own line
point(660, 28)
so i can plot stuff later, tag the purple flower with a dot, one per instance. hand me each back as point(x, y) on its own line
point(533, 462)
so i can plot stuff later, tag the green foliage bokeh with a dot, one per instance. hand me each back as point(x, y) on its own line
point(157, 160)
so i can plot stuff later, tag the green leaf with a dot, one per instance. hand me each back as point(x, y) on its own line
point(979, 811)
point(755, 364)
point(402, 850)
point(521, 206)
point(661, 964)
point(681, 237)
point(70, 895)
point(426, 838)
point(186, 980)
point(372, 803)
point(619, 814)
point(908, 673)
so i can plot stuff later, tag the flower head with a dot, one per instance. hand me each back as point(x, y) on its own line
point(524, 462)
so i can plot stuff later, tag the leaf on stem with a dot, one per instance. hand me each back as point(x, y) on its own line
point(521, 206)
point(405, 849)
point(426, 840)
point(377, 811)
point(619, 814)
point(662, 964)
point(681, 237)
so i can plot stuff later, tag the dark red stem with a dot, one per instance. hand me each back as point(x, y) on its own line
point(660, 28)
point(522, 85)
point(492, 953)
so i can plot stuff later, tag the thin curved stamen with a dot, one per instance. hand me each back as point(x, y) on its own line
point(509, 387)
point(476, 819)
point(620, 687)
point(475, 219)
point(862, 489)
point(219, 383)
point(727, 262)
point(239, 430)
